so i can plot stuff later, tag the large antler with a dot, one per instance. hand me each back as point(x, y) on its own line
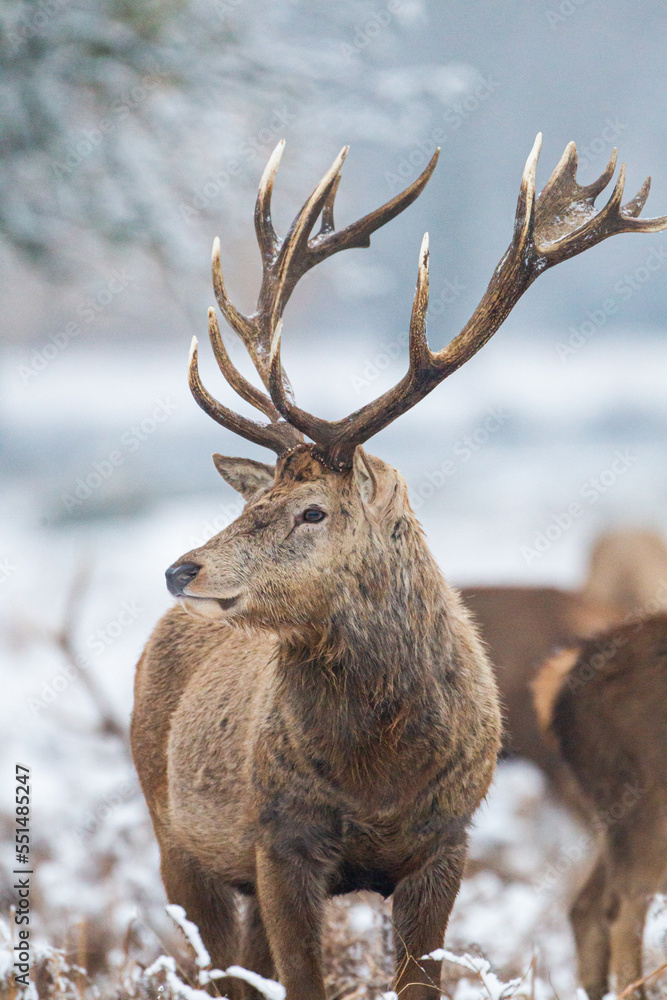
point(559, 224)
point(283, 263)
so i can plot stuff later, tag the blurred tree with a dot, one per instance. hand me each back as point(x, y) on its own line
point(131, 121)
point(96, 96)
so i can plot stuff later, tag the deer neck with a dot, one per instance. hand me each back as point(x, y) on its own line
point(391, 628)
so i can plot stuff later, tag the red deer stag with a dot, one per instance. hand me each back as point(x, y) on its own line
point(604, 703)
point(318, 715)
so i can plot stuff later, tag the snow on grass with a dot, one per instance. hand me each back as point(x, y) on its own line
point(167, 965)
point(267, 987)
point(191, 931)
point(494, 988)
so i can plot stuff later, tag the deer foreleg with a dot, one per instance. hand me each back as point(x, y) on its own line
point(256, 954)
point(421, 906)
point(291, 887)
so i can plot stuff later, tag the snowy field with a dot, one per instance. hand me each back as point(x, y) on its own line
point(485, 492)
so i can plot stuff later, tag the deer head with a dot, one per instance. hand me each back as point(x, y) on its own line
point(328, 508)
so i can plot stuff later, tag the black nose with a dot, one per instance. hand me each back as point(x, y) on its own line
point(178, 577)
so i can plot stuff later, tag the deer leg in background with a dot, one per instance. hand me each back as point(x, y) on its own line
point(291, 886)
point(211, 905)
point(256, 953)
point(636, 872)
point(590, 924)
point(422, 903)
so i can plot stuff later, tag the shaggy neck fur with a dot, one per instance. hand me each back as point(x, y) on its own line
point(387, 635)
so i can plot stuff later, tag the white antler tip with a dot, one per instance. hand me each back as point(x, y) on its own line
point(531, 162)
point(215, 253)
point(272, 166)
point(423, 253)
point(339, 161)
point(193, 351)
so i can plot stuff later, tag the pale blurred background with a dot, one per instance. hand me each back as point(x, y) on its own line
point(135, 132)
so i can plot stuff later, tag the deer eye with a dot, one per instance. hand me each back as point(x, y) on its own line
point(312, 515)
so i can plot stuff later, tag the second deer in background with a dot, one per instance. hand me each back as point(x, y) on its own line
point(603, 704)
point(522, 626)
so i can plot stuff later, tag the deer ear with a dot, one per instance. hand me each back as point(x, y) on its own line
point(378, 484)
point(364, 477)
point(244, 475)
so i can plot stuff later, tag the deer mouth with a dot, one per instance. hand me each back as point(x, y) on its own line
point(227, 602)
point(208, 607)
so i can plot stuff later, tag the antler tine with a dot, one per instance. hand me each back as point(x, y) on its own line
point(358, 234)
point(421, 377)
point(292, 261)
point(420, 355)
point(238, 322)
point(524, 217)
point(280, 437)
point(314, 427)
point(328, 225)
point(594, 189)
point(633, 207)
point(338, 439)
point(269, 244)
point(246, 390)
